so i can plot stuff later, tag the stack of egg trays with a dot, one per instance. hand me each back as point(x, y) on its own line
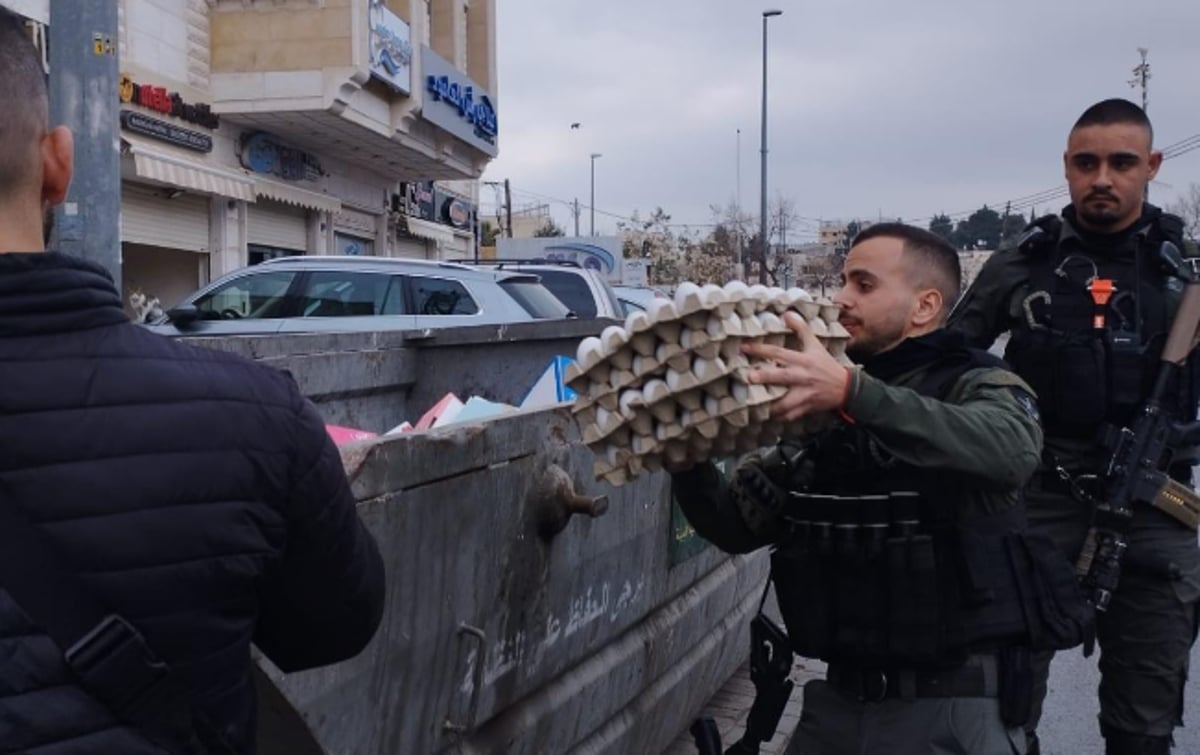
point(670, 386)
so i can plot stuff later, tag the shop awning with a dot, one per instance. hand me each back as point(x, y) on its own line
point(437, 232)
point(294, 195)
point(175, 170)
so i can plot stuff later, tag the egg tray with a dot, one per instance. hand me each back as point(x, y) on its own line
point(670, 389)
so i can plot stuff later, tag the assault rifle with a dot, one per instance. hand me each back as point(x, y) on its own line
point(1135, 470)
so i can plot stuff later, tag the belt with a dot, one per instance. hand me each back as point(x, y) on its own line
point(978, 677)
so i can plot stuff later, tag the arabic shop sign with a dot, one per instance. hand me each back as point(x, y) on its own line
point(391, 48)
point(167, 132)
point(165, 102)
point(455, 103)
point(262, 153)
point(419, 200)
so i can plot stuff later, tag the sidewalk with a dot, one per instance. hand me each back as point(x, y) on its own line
point(730, 706)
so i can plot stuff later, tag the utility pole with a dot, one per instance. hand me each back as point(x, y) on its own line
point(575, 209)
point(762, 267)
point(508, 205)
point(1004, 223)
point(1141, 75)
point(737, 208)
point(83, 97)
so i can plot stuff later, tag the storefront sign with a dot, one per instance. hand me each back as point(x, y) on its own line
point(456, 212)
point(420, 201)
point(391, 48)
point(261, 153)
point(165, 102)
point(457, 104)
point(167, 132)
point(353, 246)
point(453, 211)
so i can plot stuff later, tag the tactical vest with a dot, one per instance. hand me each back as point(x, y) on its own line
point(1091, 362)
point(883, 566)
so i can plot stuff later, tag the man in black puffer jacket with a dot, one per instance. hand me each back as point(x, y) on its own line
point(193, 493)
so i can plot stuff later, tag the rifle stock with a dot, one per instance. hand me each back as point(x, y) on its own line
point(1184, 330)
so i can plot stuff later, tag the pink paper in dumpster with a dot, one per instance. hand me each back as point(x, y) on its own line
point(343, 435)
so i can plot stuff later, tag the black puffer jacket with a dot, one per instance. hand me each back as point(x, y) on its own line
point(194, 492)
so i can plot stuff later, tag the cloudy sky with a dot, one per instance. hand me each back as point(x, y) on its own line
point(902, 109)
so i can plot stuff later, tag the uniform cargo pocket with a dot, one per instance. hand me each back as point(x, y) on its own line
point(1058, 617)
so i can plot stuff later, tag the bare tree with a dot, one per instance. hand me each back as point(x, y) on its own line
point(739, 227)
point(1188, 208)
point(781, 218)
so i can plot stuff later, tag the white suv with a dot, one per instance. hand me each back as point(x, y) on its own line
point(323, 294)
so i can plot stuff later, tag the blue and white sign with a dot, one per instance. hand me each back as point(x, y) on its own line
point(457, 104)
point(600, 253)
point(391, 48)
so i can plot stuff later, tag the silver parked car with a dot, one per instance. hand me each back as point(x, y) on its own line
point(635, 298)
point(584, 291)
point(307, 294)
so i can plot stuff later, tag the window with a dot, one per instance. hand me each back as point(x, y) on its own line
point(441, 296)
point(571, 289)
point(255, 296)
point(534, 297)
point(257, 254)
point(341, 294)
point(629, 307)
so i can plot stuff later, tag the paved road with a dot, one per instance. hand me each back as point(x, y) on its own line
point(1069, 725)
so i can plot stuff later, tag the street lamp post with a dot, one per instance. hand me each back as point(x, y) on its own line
point(592, 230)
point(762, 217)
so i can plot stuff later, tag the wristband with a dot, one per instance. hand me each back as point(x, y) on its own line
point(847, 394)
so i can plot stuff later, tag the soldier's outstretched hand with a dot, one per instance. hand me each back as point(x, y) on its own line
point(815, 381)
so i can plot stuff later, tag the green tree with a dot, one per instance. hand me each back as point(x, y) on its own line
point(943, 226)
point(488, 233)
point(981, 230)
point(1011, 229)
point(549, 229)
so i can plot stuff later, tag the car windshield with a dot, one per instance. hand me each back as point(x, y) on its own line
point(571, 289)
point(535, 298)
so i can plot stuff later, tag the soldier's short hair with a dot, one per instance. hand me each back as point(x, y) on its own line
point(25, 113)
point(935, 261)
point(1114, 111)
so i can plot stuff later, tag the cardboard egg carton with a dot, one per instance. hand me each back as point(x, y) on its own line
point(669, 387)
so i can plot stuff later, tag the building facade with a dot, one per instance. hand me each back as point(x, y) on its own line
point(252, 129)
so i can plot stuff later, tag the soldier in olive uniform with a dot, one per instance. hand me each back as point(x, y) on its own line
point(1092, 356)
point(899, 548)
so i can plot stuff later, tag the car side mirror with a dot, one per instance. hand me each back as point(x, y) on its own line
point(184, 315)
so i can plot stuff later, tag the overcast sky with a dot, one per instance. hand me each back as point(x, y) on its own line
point(902, 109)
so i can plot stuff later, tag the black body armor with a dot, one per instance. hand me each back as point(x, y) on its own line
point(1092, 357)
point(894, 571)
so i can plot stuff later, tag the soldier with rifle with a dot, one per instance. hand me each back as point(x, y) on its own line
point(899, 551)
point(1103, 331)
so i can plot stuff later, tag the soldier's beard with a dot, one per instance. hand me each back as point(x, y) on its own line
point(868, 343)
point(1099, 218)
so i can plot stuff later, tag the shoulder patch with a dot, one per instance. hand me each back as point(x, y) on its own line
point(1026, 402)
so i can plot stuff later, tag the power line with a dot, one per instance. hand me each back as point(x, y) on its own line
point(1176, 149)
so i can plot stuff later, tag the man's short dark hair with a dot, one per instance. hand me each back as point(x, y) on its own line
point(936, 263)
point(1112, 112)
point(23, 91)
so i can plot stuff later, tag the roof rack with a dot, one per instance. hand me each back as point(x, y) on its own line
point(500, 262)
